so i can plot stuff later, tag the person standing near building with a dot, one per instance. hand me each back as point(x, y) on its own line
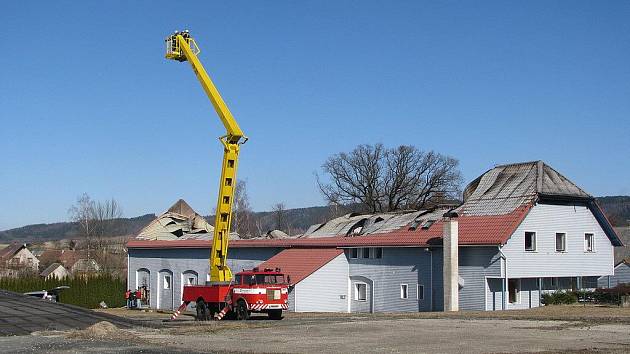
point(132, 299)
point(138, 298)
point(128, 298)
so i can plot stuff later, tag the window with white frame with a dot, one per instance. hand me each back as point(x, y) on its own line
point(360, 292)
point(530, 241)
point(589, 242)
point(420, 293)
point(376, 252)
point(404, 291)
point(354, 253)
point(167, 282)
point(561, 242)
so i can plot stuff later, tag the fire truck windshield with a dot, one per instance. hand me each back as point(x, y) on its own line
point(269, 279)
point(259, 279)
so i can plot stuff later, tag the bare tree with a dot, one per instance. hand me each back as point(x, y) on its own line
point(356, 177)
point(96, 220)
point(279, 212)
point(107, 215)
point(242, 218)
point(390, 179)
point(83, 214)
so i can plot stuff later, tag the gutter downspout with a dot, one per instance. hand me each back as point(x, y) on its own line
point(129, 271)
point(431, 255)
point(505, 279)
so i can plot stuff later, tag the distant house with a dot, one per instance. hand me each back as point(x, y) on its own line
point(55, 270)
point(85, 266)
point(75, 261)
point(16, 259)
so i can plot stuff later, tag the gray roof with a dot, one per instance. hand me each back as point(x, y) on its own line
point(86, 265)
point(368, 224)
point(51, 268)
point(178, 221)
point(504, 188)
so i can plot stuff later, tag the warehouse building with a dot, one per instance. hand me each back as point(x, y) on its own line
point(523, 229)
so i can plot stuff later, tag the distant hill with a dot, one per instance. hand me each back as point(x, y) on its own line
point(616, 208)
point(69, 230)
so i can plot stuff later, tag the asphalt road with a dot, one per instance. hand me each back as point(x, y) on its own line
point(20, 315)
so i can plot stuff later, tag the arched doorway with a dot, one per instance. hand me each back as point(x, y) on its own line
point(165, 290)
point(143, 282)
point(362, 293)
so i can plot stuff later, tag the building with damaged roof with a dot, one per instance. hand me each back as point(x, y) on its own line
point(522, 229)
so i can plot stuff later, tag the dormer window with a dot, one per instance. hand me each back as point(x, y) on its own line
point(427, 224)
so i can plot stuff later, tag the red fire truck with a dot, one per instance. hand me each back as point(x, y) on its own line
point(256, 290)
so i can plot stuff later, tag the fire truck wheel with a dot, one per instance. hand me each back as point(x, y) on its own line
point(242, 313)
point(275, 314)
point(202, 311)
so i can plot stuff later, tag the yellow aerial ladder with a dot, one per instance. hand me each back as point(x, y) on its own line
point(181, 46)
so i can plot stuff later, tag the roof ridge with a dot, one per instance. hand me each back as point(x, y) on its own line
point(518, 163)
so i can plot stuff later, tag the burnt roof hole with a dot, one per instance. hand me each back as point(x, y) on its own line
point(379, 219)
point(178, 232)
point(357, 228)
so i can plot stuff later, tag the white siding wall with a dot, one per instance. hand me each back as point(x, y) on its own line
point(325, 290)
point(546, 220)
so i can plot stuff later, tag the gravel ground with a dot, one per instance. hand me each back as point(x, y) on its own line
point(552, 329)
point(584, 313)
point(406, 333)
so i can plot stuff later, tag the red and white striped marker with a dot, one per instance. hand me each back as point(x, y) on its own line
point(221, 314)
point(179, 311)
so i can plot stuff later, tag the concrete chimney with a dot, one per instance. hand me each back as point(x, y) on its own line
point(451, 262)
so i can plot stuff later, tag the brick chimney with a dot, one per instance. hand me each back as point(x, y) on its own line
point(451, 262)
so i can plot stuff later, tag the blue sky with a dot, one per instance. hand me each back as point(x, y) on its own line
point(89, 104)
